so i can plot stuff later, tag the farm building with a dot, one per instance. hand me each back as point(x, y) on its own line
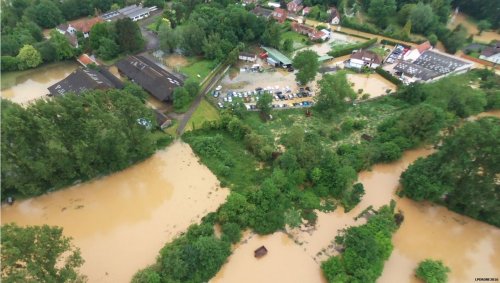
point(276, 58)
point(83, 79)
point(155, 80)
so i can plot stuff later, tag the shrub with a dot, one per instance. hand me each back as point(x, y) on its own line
point(388, 76)
point(432, 271)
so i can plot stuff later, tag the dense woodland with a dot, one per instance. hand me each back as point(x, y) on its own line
point(24, 46)
point(53, 143)
point(463, 173)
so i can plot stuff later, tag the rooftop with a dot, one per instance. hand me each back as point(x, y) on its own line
point(83, 79)
point(151, 77)
point(491, 50)
point(366, 55)
point(84, 25)
point(259, 11)
point(431, 64)
point(275, 54)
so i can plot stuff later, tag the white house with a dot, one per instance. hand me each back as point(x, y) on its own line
point(364, 58)
point(334, 16)
point(413, 54)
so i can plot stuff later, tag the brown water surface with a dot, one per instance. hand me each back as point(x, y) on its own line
point(121, 221)
point(32, 84)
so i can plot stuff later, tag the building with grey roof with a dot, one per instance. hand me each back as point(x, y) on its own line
point(134, 12)
point(83, 79)
point(431, 66)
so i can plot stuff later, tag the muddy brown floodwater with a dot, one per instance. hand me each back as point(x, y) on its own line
point(32, 84)
point(469, 247)
point(121, 221)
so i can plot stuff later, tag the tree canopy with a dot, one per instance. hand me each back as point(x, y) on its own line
point(38, 254)
point(462, 174)
point(55, 142)
point(432, 271)
point(307, 63)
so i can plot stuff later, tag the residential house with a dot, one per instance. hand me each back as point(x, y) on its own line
point(413, 54)
point(306, 11)
point(155, 80)
point(432, 65)
point(491, 53)
point(261, 12)
point(83, 79)
point(334, 16)
point(244, 56)
point(364, 58)
point(311, 32)
point(86, 60)
point(294, 6)
point(280, 15)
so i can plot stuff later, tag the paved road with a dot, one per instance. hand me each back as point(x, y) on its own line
point(196, 103)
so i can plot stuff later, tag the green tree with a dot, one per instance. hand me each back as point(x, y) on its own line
point(192, 37)
point(28, 57)
point(46, 14)
point(381, 10)
point(169, 38)
point(231, 232)
point(108, 49)
point(63, 48)
point(288, 45)
point(406, 32)
point(181, 98)
point(192, 86)
point(307, 64)
point(38, 254)
point(432, 271)
point(272, 35)
point(483, 25)
point(264, 103)
point(421, 17)
point(334, 91)
point(455, 40)
point(146, 275)
point(157, 3)
point(463, 169)
point(9, 63)
point(128, 35)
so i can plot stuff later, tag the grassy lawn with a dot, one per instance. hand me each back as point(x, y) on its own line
point(204, 112)
point(244, 173)
point(299, 40)
point(172, 130)
point(198, 68)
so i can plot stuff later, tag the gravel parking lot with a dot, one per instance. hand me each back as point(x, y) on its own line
point(247, 86)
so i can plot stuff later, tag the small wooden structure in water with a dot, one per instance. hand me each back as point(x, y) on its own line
point(260, 252)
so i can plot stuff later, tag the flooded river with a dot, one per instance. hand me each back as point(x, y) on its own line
point(25, 86)
point(469, 247)
point(121, 221)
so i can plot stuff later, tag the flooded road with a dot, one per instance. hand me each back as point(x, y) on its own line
point(26, 86)
point(120, 222)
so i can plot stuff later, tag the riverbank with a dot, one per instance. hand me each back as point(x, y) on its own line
point(132, 213)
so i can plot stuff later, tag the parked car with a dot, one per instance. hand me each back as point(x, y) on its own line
point(218, 87)
point(258, 89)
point(220, 105)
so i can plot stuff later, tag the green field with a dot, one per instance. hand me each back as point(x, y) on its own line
point(204, 112)
point(299, 40)
point(198, 68)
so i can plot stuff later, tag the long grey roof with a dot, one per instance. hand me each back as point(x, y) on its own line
point(83, 79)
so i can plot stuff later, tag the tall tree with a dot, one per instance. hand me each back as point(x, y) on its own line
point(169, 38)
point(28, 57)
point(307, 63)
point(334, 93)
point(38, 254)
point(63, 48)
point(421, 17)
point(128, 35)
point(46, 14)
point(432, 271)
point(264, 103)
point(381, 10)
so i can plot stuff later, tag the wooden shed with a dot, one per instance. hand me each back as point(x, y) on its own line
point(260, 252)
